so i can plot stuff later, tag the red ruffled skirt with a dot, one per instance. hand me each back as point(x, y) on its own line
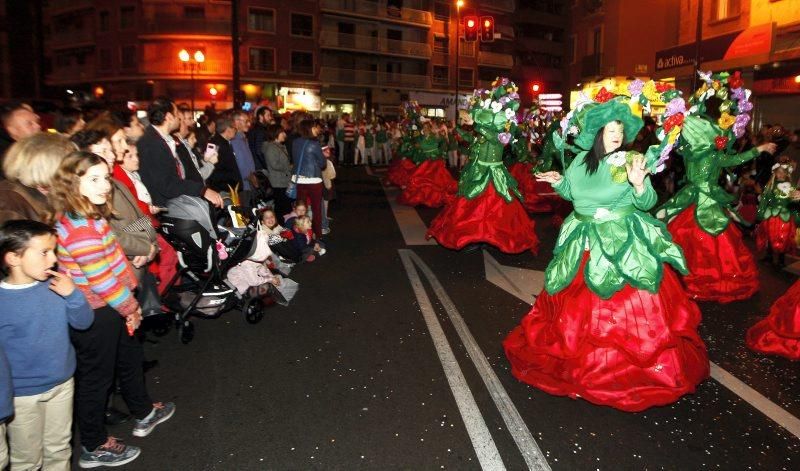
point(430, 185)
point(539, 196)
point(777, 235)
point(720, 267)
point(633, 351)
point(400, 171)
point(486, 218)
point(779, 332)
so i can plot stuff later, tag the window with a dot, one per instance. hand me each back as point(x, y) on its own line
point(465, 77)
point(302, 62)
point(105, 59)
point(128, 57)
point(724, 9)
point(127, 17)
point(104, 21)
point(302, 25)
point(194, 13)
point(261, 20)
point(441, 11)
point(262, 59)
point(441, 44)
point(466, 48)
point(441, 74)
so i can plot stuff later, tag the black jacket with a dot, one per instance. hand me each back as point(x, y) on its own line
point(189, 161)
point(159, 171)
point(226, 172)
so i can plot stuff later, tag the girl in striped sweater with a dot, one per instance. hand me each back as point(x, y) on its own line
point(89, 253)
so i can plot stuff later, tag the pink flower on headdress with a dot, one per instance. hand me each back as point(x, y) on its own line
point(675, 106)
point(745, 106)
point(740, 125)
point(635, 88)
point(504, 138)
point(738, 93)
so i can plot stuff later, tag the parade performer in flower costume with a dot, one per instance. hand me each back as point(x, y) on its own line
point(431, 183)
point(487, 208)
point(779, 332)
point(721, 268)
point(538, 196)
point(777, 212)
point(613, 324)
point(400, 169)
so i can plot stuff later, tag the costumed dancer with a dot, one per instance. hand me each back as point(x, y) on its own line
point(778, 215)
point(487, 208)
point(431, 183)
point(779, 332)
point(613, 324)
point(400, 169)
point(721, 268)
point(538, 196)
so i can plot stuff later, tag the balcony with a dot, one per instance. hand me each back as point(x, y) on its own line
point(495, 59)
point(590, 65)
point(60, 39)
point(499, 5)
point(372, 10)
point(167, 25)
point(530, 15)
point(542, 45)
point(55, 7)
point(71, 74)
point(354, 42)
point(173, 66)
point(506, 32)
point(368, 78)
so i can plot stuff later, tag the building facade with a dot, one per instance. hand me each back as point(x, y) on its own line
point(326, 56)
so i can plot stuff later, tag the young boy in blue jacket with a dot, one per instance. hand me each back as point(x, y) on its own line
point(38, 305)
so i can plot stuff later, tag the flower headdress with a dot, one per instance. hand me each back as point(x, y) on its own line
point(494, 111)
point(734, 108)
point(410, 114)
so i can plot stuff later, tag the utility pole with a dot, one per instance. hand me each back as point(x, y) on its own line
point(237, 102)
point(698, 41)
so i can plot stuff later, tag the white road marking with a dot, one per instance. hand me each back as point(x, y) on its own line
point(516, 426)
point(757, 400)
point(523, 283)
point(411, 225)
point(482, 441)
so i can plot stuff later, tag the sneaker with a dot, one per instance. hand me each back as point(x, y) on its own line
point(112, 453)
point(161, 412)
point(322, 252)
point(326, 231)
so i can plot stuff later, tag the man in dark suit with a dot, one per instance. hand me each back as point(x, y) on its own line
point(226, 172)
point(160, 167)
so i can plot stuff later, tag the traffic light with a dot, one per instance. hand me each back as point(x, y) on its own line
point(470, 28)
point(487, 29)
point(536, 88)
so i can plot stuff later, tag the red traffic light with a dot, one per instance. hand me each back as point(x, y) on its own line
point(536, 88)
point(487, 29)
point(470, 28)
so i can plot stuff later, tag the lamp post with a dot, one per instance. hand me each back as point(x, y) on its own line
point(698, 41)
point(459, 4)
point(193, 62)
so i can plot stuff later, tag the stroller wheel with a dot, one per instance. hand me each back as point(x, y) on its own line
point(253, 310)
point(186, 332)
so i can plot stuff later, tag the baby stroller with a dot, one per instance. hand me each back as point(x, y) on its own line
point(205, 254)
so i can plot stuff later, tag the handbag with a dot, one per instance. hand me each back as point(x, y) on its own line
point(147, 295)
point(291, 188)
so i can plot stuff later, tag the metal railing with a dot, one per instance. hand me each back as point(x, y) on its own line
point(174, 66)
point(69, 37)
point(590, 65)
point(174, 25)
point(71, 74)
point(495, 59)
point(380, 10)
point(334, 39)
point(370, 78)
point(59, 6)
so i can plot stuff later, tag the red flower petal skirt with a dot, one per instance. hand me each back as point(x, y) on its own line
point(779, 332)
point(400, 171)
point(721, 268)
point(430, 185)
point(539, 196)
point(486, 218)
point(777, 235)
point(633, 351)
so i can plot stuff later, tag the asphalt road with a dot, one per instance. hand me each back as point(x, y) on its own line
point(349, 375)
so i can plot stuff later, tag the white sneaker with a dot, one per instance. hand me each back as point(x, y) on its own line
point(326, 231)
point(322, 252)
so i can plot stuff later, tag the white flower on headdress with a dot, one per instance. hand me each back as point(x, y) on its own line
point(784, 187)
point(601, 213)
point(497, 106)
point(582, 101)
point(617, 159)
point(413, 127)
point(573, 130)
point(510, 113)
point(486, 103)
point(705, 76)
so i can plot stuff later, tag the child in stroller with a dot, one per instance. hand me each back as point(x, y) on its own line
point(206, 253)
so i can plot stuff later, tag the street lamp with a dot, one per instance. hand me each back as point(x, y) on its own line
point(459, 4)
point(192, 62)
